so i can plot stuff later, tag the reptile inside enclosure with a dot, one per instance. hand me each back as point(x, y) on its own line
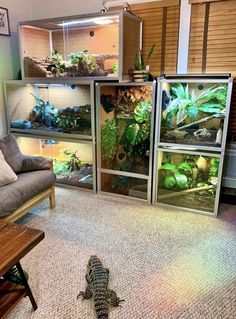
point(97, 278)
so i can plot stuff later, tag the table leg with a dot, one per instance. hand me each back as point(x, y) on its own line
point(26, 285)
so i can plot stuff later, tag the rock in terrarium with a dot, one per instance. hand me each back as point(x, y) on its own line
point(80, 64)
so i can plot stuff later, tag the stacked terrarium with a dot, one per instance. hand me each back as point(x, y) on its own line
point(55, 120)
point(52, 111)
point(191, 128)
point(124, 138)
point(96, 46)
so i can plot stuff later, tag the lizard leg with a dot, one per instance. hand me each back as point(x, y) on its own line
point(87, 294)
point(87, 277)
point(113, 299)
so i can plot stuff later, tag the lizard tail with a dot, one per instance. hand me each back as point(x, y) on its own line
point(101, 304)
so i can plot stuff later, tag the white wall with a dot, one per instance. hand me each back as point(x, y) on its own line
point(59, 8)
point(18, 10)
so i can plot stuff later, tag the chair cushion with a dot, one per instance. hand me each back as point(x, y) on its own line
point(27, 185)
point(7, 175)
point(35, 163)
point(11, 152)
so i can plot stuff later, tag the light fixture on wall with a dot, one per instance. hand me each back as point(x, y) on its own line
point(104, 8)
point(126, 7)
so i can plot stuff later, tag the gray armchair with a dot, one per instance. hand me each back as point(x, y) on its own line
point(35, 181)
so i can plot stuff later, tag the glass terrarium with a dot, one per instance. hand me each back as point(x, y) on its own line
point(72, 162)
point(188, 179)
point(124, 185)
point(50, 108)
point(125, 116)
point(97, 45)
point(194, 110)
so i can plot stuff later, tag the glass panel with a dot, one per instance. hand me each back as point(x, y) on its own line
point(52, 108)
point(193, 113)
point(72, 162)
point(124, 185)
point(76, 47)
point(125, 121)
point(188, 181)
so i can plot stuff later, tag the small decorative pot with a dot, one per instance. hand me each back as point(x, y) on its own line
point(140, 75)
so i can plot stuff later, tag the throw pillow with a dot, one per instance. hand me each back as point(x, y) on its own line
point(7, 175)
point(11, 152)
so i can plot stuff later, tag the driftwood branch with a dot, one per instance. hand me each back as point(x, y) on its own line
point(186, 191)
point(204, 120)
point(38, 98)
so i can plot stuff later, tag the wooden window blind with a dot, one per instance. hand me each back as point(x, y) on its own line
point(213, 43)
point(160, 26)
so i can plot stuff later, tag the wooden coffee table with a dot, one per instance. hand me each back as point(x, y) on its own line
point(15, 242)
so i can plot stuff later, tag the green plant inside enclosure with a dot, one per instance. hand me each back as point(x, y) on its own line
point(138, 132)
point(86, 63)
point(65, 166)
point(109, 140)
point(177, 177)
point(57, 59)
point(186, 107)
point(193, 172)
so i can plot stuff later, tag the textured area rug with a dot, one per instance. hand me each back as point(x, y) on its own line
point(166, 264)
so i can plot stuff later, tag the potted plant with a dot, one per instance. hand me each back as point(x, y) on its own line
point(141, 69)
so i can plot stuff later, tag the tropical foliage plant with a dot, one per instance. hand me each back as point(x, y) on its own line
point(137, 132)
point(187, 107)
point(109, 139)
point(177, 177)
point(193, 172)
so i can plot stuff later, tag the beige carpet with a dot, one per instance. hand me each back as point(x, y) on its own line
point(165, 264)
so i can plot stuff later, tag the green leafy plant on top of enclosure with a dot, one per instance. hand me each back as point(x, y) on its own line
point(139, 63)
point(187, 107)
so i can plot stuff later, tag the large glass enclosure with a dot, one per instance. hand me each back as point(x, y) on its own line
point(192, 112)
point(125, 116)
point(187, 179)
point(73, 163)
point(92, 45)
point(50, 108)
point(190, 136)
point(124, 185)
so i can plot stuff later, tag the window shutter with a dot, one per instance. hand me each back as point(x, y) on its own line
point(213, 43)
point(160, 26)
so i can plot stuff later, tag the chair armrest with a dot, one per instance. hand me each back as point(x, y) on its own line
point(35, 163)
